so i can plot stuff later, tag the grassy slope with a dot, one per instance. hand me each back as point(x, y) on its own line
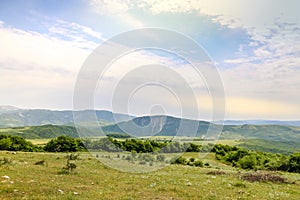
point(284, 147)
point(40, 132)
point(96, 181)
point(266, 132)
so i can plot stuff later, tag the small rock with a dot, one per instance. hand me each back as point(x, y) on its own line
point(152, 185)
point(5, 177)
point(75, 193)
point(189, 184)
point(14, 153)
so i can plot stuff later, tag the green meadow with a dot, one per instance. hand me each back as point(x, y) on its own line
point(24, 176)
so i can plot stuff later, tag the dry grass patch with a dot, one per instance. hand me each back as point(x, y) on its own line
point(218, 172)
point(264, 177)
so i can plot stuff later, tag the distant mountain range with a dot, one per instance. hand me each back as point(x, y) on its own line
point(263, 135)
point(14, 117)
point(8, 109)
point(113, 123)
point(259, 122)
point(159, 125)
point(163, 126)
point(168, 126)
point(38, 124)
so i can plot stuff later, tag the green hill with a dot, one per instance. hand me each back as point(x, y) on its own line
point(265, 132)
point(159, 126)
point(39, 132)
point(168, 126)
point(282, 147)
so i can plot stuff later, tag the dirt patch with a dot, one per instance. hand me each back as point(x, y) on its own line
point(219, 172)
point(264, 177)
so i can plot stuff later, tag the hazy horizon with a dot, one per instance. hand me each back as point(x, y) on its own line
point(145, 114)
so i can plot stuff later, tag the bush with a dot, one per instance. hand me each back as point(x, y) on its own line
point(64, 144)
point(180, 160)
point(248, 162)
point(71, 164)
point(198, 163)
point(294, 163)
point(16, 143)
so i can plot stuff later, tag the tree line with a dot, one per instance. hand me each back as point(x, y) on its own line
point(232, 155)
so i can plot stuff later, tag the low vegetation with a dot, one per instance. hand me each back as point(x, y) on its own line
point(235, 156)
point(247, 159)
point(21, 178)
point(15, 143)
point(64, 144)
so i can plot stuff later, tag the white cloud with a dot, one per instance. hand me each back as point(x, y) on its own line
point(38, 69)
point(81, 36)
point(39, 50)
point(116, 8)
point(110, 7)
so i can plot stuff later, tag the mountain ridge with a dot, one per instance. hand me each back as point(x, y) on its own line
point(36, 117)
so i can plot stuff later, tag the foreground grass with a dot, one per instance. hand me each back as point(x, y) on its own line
point(94, 180)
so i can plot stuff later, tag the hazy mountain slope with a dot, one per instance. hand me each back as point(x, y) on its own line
point(168, 126)
point(283, 147)
point(8, 109)
point(37, 117)
point(266, 132)
point(259, 122)
point(159, 125)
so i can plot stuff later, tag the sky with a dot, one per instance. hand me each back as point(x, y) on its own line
point(254, 45)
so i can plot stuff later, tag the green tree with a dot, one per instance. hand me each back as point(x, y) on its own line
point(248, 162)
point(64, 144)
point(294, 163)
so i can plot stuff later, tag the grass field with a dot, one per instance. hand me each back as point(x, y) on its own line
point(93, 180)
point(39, 141)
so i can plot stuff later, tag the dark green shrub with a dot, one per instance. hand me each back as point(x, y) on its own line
point(64, 144)
point(294, 163)
point(248, 162)
point(71, 164)
point(16, 143)
point(198, 163)
point(180, 160)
